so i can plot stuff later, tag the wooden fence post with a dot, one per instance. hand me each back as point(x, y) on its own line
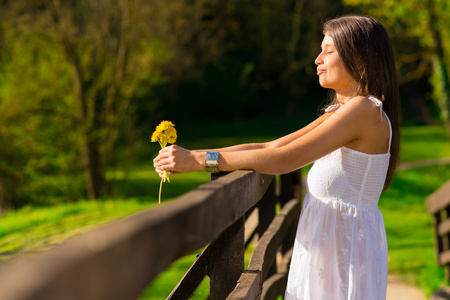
point(226, 261)
point(291, 187)
point(266, 213)
point(439, 244)
point(226, 258)
point(266, 209)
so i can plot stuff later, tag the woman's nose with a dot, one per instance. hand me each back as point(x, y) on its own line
point(318, 60)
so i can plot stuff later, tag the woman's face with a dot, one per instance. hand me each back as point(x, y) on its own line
point(331, 70)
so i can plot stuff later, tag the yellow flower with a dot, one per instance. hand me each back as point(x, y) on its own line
point(164, 133)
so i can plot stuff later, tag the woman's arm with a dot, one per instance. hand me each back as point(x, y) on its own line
point(294, 151)
point(275, 143)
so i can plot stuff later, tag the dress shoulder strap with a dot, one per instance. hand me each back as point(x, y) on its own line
point(332, 107)
point(379, 104)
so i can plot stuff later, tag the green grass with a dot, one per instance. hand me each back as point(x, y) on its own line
point(30, 229)
point(161, 287)
point(424, 142)
point(408, 226)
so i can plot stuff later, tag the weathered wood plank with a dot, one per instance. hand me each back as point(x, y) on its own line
point(267, 211)
point(251, 226)
point(290, 187)
point(274, 286)
point(226, 261)
point(439, 199)
point(444, 257)
point(285, 261)
point(437, 220)
point(265, 251)
point(249, 286)
point(444, 227)
point(192, 278)
point(128, 254)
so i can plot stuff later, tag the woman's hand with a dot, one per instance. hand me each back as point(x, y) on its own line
point(176, 160)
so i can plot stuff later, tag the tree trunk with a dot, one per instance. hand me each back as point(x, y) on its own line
point(95, 181)
point(3, 199)
point(444, 102)
point(440, 67)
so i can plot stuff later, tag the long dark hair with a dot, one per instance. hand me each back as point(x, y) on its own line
point(366, 51)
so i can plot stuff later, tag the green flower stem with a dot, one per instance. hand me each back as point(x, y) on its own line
point(160, 188)
point(163, 143)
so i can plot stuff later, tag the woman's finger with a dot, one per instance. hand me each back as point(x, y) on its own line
point(173, 159)
point(167, 151)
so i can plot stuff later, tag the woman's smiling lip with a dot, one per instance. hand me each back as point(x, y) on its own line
point(320, 71)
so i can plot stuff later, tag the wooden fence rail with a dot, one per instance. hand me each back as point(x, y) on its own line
point(439, 206)
point(119, 260)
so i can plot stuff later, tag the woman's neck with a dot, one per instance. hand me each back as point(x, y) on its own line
point(345, 93)
point(342, 99)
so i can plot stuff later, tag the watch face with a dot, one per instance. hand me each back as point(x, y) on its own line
point(212, 156)
point(211, 162)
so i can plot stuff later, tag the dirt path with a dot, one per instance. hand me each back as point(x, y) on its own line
point(398, 290)
point(424, 163)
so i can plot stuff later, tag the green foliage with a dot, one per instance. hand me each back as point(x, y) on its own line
point(420, 36)
point(36, 127)
point(439, 80)
point(71, 83)
point(243, 58)
point(409, 228)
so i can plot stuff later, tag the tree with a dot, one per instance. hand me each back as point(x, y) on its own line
point(420, 36)
point(439, 11)
point(110, 66)
point(105, 45)
point(35, 121)
point(250, 57)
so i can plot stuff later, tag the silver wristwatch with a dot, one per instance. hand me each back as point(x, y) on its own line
point(212, 162)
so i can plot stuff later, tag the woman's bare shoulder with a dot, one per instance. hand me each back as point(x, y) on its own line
point(361, 107)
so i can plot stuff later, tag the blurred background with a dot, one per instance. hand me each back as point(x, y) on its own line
point(83, 83)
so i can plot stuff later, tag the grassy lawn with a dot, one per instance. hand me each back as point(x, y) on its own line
point(408, 226)
point(30, 229)
point(424, 142)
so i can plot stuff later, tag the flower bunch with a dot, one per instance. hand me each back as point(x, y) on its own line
point(164, 133)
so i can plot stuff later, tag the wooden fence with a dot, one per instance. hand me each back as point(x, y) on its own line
point(119, 260)
point(439, 206)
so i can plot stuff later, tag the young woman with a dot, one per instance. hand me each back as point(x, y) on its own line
point(340, 250)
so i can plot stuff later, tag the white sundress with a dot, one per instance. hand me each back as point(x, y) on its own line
point(340, 250)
